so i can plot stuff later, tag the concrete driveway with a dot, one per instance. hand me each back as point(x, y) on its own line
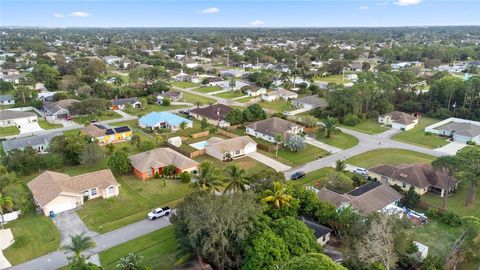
point(270, 162)
point(30, 128)
point(70, 224)
point(451, 148)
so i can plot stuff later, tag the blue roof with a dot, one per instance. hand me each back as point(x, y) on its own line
point(154, 118)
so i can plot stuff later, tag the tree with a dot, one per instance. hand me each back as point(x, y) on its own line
point(120, 163)
point(5, 203)
point(132, 261)
point(266, 250)
point(469, 160)
point(278, 196)
point(298, 238)
point(169, 170)
point(411, 198)
point(236, 179)
point(296, 143)
point(186, 177)
point(166, 101)
point(110, 148)
point(330, 127)
point(207, 179)
point(78, 244)
point(135, 140)
point(254, 112)
point(234, 117)
point(69, 147)
point(203, 123)
point(24, 161)
point(146, 145)
point(183, 126)
point(340, 165)
point(312, 261)
point(278, 140)
point(338, 181)
point(91, 154)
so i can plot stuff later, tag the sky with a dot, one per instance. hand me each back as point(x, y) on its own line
point(238, 13)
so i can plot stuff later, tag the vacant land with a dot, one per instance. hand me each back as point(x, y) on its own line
point(157, 249)
point(108, 115)
point(388, 156)
point(244, 100)
point(418, 137)
point(9, 131)
point(315, 178)
point(341, 140)
point(208, 89)
point(277, 106)
point(334, 79)
point(34, 236)
point(290, 158)
point(154, 108)
point(437, 236)
point(369, 126)
point(194, 99)
point(230, 94)
point(184, 84)
point(250, 165)
point(46, 125)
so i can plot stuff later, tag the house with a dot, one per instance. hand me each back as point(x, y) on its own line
point(46, 95)
point(421, 176)
point(192, 65)
point(160, 120)
point(55, 192)
point(356, 66)
point(39, 143)
point(214, 114)
point(254, 91)
point(398, 120)
point(279, 94)
point(215, 81)
point(352, 77)
point(119, 104)
point(233, 73)
point(322, 233)
point(460, 130)
point(230, 148)
point(422, 251)
point(310, 102)
point(7, 100)
point(111, 59)
point(104, 135)
point(369, 198)
point(174, 96)
point(59, 109)
point(147, 164)
point(269, 128)
point(10, 118)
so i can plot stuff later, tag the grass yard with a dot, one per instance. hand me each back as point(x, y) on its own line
point(230, 94)
point(334, 79)
point(369, 126)
point(244, 100)
point(184, 84)
point(388, 156)
point(107, 115)
point(71, 132)
point(8, 131)
point(437, 236)
point(277, 106)
point(192, 98)
point(157, 248)
point(46, 125)
point(208, 89)
point(250, 165)
point(154, 108)
point(130, 123)
point(312, 178)
point(341, 140)
point(293, 159)
point(418, 137)
point(34, 236)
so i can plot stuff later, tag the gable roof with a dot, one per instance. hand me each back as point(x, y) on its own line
point(11, 114)
point(465, 129)
point(215, 112)
point(317, 228)
point(161, 157)
point(230, 145)
point(122, 101)
point(282, 93)
point(401, 117)
point(97, 130)
point(10, 145)
point(59, 105)
point(48, 185)
point(416, 174)
point(154, 118)
point(313, 100)
point(273, 126)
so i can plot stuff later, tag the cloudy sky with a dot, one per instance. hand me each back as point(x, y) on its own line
point(238, 13)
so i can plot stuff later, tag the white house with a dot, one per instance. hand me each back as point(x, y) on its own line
point(230, 148)
point(7, 100)
point(191, 65)
point(322, 233)
point(310, 102)
point(461, 130)
point(10, 118)
point(269, 128)
point(255, 91)
point(279, 94)
point(398, 120)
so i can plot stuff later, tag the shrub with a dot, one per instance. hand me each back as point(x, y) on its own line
point(432, 213)
point(351, 120)
point(296, 143)
point(428, 133)
point(451, 219)
point(186, 177)
point(471, 143)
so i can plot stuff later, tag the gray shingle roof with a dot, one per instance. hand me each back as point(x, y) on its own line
point(10, 145)
point(10, 114)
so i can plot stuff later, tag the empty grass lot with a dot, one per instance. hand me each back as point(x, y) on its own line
point(244, 100)
point(192, 98)
point(46, 125)
point(157, 249)
point(107, 115)
point(369, 126)
point(9, 131)
point(34, 236)
point(230, 94)
point(417, 135)
point(341, 140)
point(250, 165)
point(437, 236)
point(293, 159)
point(277, 106)
point(185, 84)
point(334, 79)
point(388, 156)
point(154, 108)
point(315, 178)
point(208, 89)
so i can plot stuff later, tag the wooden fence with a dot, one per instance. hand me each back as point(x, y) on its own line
point(226, 133)
point(184, 152)
point(200, 134)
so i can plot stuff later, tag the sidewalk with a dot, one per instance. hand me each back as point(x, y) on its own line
point(321, 145)
point(270, 162)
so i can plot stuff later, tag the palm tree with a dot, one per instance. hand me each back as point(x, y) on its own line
point(5, 202)
point(236, 179)
point(79, 244)
point(278, 196)
point(133, 261)
point(340, 165)
point(330, 126)
point(278, 140)
point(207, 179)
point(183, 126)
point(448, 164)
point(232, 84)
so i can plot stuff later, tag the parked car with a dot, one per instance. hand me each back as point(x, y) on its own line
point(287, 113)
point(297, 175)
point(184, 112)
point(361, 171)
point(159, 212)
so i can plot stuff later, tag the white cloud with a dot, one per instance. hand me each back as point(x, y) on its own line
point(257, 23)
point(58, 15)
point(407, 2)
point(363, 7)
point(81, 14)
point(210, 10)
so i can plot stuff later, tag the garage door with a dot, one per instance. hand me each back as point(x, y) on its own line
point(58, 208)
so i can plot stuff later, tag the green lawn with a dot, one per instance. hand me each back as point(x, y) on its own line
point(157, 249)
point(293, 159)
point(71, 132)
point(107, 115)
point(417, 135)
point(230, 94)
point(315, 178)
point(192, 98)
point(8, 131)
point(334, 79)
point(46, 125)
point(244, 100)
point(278, 105)
point(185, 84)
point(208, 89)
point(34, 235)
point(154, 108)
point(388, 156)
point(342, 140)
point(250, 165)
point(369, 126)
point(437, 236)
point(130, 123)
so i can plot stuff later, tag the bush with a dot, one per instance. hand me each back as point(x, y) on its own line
point(451, 219)
point(432, 213)
point(351, 120)
point(296, 143)
point(471, 143)
point(186, 177)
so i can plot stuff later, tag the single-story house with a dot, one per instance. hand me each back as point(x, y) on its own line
point(230, 148)
point(269, 128)
point(310, 102)
point(174, 96)
point(56, 192)
point(106, 135)
point(146, 164)
point(215, 81)
point(169, 120)
point(279, 94)
point(369, 198)
point(40, 143)
point(255, 91)
point(233, 73)
point(10, 118)
point(120, 103)
point(322, 233)
point(398, 120)
point(461, 130)
point(7, 100)
point(421, 176)
point(59, 109)
point(214, 114)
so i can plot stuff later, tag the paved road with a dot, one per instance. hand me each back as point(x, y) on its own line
point(103, 242)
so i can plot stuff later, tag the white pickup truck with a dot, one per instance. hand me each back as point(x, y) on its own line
point(159, 212)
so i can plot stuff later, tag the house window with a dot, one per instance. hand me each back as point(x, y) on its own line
point(237, 152)
point(111, 190)
point(93, 192)
point(85, 193)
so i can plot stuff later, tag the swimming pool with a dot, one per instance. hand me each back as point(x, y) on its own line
point(199, 145)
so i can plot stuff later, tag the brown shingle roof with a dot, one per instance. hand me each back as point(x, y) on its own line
point(272, 126)
point(161, 157)
point(230, 145)
point(401, 117)
point(215, 112)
